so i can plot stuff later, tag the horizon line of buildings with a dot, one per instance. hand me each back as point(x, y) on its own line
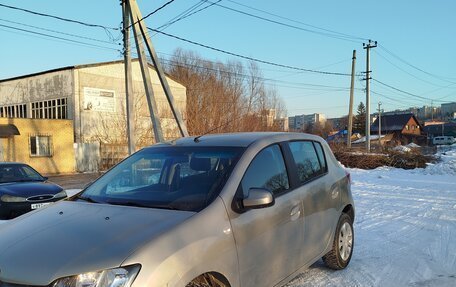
point(445, 113)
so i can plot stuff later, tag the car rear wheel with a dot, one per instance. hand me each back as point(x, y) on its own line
point(342, 250)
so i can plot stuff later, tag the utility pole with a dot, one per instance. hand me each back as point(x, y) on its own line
point(132, 18)
point(128, 80)
point(368, 46)
point(140, 29)
point(380, 125)
point(350, 108)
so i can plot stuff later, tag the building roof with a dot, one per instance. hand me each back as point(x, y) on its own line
point(77, 67)
point(439, 129)
point(392, 123)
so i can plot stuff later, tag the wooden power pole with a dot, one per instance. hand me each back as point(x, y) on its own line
point(350, 108)
point(142, 38)
point(128, 80)
point(368, 46)
point(380, 125)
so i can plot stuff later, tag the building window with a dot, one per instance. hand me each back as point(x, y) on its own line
point(50, 109)
point(40, 145)
point(407, 127)
point(14, 111)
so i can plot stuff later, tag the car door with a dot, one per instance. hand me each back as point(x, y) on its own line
point(318, 202)
point(268, 240)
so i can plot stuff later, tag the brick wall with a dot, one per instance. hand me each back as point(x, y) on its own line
point(19, 148)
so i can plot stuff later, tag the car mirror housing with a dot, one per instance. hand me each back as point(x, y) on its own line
point(258, 198)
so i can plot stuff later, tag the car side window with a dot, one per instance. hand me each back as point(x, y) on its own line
point(321, 156)
point(306, 160)
point(267, 170)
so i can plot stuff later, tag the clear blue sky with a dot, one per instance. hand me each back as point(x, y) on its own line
point(420, 32)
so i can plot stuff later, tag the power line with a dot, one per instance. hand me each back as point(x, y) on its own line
point(248, 58)
point(188, 14)
point(417, 68)
point(59, 18)
point(405, 92)
point(58, 38)
point(332, 34)
point(408, 73)
point(299, 22)
point(151, 13)
point(59, 32)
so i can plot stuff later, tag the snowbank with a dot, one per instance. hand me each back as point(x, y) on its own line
point(446, 164)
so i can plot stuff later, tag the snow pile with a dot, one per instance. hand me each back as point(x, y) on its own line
point(446, 164)
point(401, 148)
point(406, 148)
point(412, 145)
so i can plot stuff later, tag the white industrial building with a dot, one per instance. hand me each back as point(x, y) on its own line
point(93, 97)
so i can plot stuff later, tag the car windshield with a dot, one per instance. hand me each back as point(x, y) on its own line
point(172, 177)
point(18, 173)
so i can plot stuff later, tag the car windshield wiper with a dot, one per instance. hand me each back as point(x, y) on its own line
point(25, 180)
point(87, 199)
point(137, 204)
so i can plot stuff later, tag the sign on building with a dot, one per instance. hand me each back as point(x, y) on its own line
point(99, 100)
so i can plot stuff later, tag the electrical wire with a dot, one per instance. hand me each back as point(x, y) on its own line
point(408, 73)
point(188, 14)
point(151, 13)
point(58, 38)
point(405, 92)
point(249, 58)
point(299, 22)
point(336, 36)
point(58, 32)
point(417, 68)
point(59, 18)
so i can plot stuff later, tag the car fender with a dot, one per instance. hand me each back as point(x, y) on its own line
point(203, 243)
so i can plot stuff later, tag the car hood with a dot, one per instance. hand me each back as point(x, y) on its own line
point(27, 189)
point(70, 238)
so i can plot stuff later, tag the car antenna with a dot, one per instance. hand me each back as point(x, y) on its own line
point(197, 139)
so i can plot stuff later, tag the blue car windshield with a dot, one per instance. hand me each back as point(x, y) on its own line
point(18, 173)
point(171, 177)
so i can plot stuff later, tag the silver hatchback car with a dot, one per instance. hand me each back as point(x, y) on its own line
point(247, 209)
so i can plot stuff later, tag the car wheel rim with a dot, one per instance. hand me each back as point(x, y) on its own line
point(345, 241)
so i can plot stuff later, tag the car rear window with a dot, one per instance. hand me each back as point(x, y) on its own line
point(307, 161)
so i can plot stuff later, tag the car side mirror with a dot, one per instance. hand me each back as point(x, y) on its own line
point(45, 178)
point(258, 198)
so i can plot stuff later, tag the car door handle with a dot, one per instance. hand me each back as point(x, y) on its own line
point(295, 213)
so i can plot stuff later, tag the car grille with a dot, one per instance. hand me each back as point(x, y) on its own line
point(41, 197)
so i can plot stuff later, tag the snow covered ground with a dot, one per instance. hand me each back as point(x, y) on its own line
point(405, 229)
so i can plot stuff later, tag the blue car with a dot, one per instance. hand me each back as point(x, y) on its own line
point(23, 189)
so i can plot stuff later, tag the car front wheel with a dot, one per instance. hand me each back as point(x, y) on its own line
point(342, 250)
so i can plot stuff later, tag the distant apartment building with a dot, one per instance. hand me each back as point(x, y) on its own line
point(448, 111)
point(301, 122)
point(271, 119)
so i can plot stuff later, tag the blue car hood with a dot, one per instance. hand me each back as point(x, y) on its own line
point(27, 189)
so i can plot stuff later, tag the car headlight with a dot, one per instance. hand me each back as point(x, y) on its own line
point(119, 277)
point(61, 194)
point(10, 198)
